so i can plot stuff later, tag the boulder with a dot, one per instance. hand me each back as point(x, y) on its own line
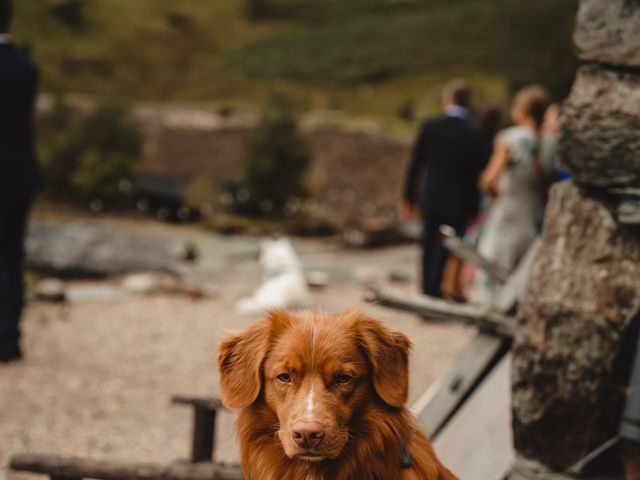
point(580, 320)
point(600, 139)
point(88, 250)
point(608, 31)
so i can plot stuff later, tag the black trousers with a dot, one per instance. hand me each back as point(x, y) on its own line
point(14, 210)
point(434, 253)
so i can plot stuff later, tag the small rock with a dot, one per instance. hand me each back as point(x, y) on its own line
point(187, 251)
point(317, 279)
point(50, 290)
point(176, 286)
point(140, 283)
point(209, 290)
point(399, 277)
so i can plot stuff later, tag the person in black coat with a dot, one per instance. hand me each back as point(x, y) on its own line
point(18, 179)
point(442, 179)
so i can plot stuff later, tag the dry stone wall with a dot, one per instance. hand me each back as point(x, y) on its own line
point(607, 32)
point(356, 173)
point(581, 315)
point(601, 144)
point(573, 357)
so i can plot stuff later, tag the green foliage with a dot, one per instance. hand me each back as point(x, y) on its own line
point(94, 158)
point(278, 161)
point(200, 193)
point(374, 44)
point(406, 111)
point(363, 56)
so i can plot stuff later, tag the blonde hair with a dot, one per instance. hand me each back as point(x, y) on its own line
point(533, 101)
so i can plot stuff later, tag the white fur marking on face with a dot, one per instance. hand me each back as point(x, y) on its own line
point(310, 406)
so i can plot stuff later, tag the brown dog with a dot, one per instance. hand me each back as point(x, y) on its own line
point(321, 397)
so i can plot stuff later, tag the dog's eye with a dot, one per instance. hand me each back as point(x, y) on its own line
point(284, 378)
point(344, 378)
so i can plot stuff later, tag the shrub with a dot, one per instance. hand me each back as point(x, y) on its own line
point(352, 43)
point(70, 13)
point(94, 158)
point(276, 169)
point(407, 111)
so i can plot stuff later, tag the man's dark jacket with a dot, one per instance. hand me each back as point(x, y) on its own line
point(448, 149)
point(18, 86)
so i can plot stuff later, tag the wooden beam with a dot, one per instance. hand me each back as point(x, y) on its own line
point(468, 252)
point(204, 425)
point(209, 403)
point(72, 467)
point(484, 318)
point(477, 443)
point(443, 399)
point(513, 290)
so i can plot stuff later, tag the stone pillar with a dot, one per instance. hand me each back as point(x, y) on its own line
point(581, 315)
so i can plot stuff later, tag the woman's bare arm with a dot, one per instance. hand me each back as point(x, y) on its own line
point(498, 162)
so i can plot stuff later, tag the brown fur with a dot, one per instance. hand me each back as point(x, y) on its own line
point(347, 372)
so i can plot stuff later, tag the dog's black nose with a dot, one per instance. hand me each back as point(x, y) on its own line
point(308, 434)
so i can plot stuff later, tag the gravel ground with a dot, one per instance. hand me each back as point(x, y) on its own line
point(97, 376)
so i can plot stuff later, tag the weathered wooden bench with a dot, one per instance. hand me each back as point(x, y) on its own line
point(200, 466)
point(73, 468)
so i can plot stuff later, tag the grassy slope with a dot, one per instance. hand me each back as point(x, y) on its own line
point(364, 57)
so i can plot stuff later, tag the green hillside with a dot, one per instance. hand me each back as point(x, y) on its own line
point(368, 58)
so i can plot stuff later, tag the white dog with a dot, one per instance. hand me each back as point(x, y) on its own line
point(283, 285)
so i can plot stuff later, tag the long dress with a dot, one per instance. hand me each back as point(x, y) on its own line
point(515, 216)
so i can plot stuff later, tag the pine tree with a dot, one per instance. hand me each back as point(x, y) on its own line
point(278, 162)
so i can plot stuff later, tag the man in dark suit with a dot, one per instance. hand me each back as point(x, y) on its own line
point(442, 179)
point(18, 179)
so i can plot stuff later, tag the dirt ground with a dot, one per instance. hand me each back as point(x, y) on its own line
point(98, 375)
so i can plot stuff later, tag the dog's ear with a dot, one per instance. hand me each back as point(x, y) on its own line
point(388, 355)
point(240, 360)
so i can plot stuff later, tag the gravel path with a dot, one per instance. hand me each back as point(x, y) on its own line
point(97, 376)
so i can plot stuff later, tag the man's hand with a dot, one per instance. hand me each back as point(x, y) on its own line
point(408, 209)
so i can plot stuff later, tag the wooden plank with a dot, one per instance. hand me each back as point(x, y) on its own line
point(202, 443)
point(514, 288)
point(73, 467)
point(527, 469)
point(484, 318)
point(469, 253)
point(477, 443)
point(206, 403)
point(440, 402)
point(204, 424)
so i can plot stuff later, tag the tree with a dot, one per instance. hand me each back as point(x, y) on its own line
point(276, 169)
point(94, 159)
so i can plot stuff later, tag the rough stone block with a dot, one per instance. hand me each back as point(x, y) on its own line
point(572, 359)
point(82, 249)
point(600, 139)
point(608, 31)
